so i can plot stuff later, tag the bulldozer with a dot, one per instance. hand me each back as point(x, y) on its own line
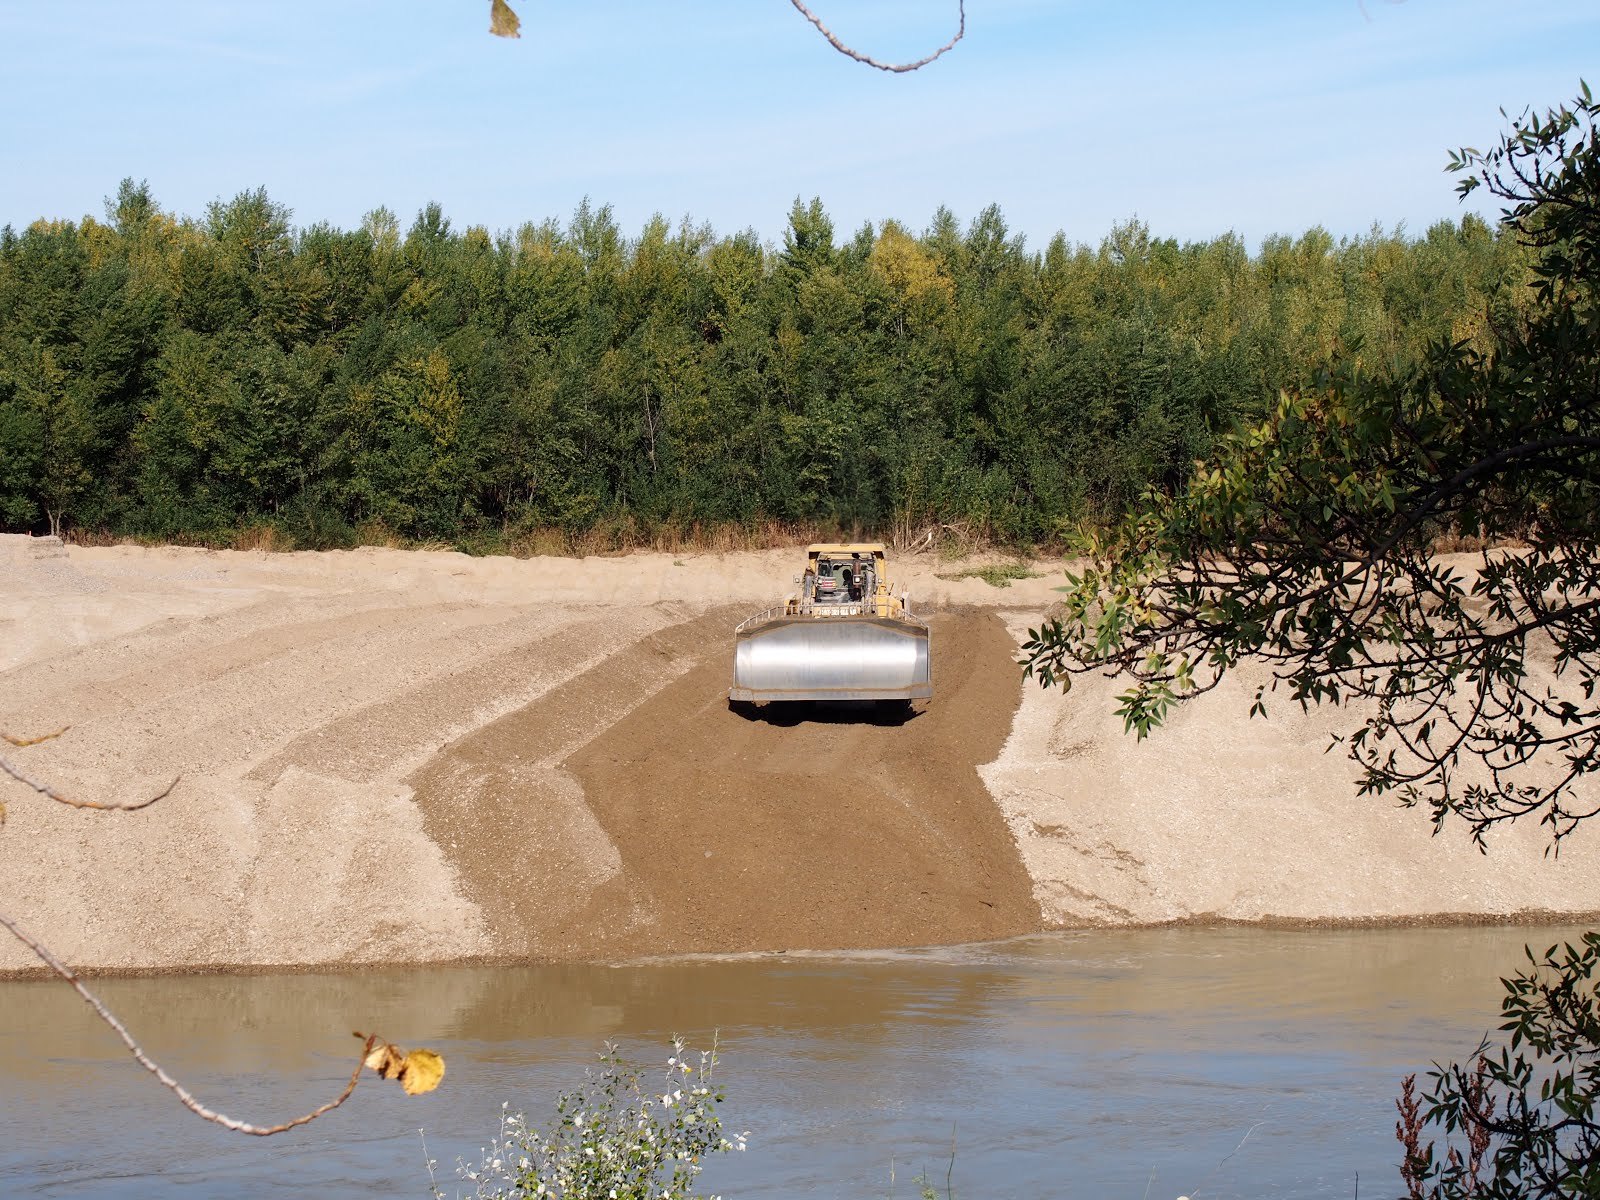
point(846, 634)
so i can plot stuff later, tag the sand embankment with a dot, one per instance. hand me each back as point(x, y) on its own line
point(418, 756)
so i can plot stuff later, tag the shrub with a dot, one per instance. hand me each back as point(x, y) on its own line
point(613, 1138)
point(1529, 1108)
point(997, 575)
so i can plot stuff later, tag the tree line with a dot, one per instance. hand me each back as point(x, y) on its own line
point(188, 379)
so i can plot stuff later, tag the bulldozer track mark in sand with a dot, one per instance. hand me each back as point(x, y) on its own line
point(669, 822)
point(398, 733)
point(515, 825)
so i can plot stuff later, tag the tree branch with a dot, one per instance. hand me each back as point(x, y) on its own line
point(171, 1084)
point(45, 789)
point(503, 22)
point(898, 68)
point(417, 1072)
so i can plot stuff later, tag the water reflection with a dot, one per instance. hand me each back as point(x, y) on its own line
point(1064, 1065)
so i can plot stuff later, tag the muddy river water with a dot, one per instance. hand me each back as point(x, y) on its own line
point(1100, 1064)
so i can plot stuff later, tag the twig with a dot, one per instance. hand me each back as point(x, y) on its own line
point(33, 741)
point(44, 789)
point(434, 1189)
point(503, 22)
point(1362, 5)
point(189, 1102)
point(1227, 1156)
point(898, 68)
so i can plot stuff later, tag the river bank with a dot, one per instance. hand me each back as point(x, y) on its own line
point(388, 756)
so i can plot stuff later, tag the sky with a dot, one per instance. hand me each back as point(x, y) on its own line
point(1194, 116)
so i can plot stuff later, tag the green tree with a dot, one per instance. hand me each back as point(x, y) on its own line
point(1527, 1110)
point(54, 433)
point(218, 374)
point(413, 469)
point(178, 436)
point(1307, 542)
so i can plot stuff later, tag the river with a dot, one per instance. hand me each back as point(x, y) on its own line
point(1219, 1063)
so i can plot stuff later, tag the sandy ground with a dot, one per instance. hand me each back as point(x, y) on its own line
point(390, 756)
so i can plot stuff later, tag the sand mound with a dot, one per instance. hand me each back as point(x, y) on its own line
point(1217, 816)
point(422, 756)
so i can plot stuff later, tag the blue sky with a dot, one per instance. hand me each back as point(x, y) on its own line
point(1197, 117)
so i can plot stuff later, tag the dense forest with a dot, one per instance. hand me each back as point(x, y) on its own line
point(570, 386)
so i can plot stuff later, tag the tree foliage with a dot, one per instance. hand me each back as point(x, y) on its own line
point(180, 378)
point(1528, 1108)
point(1307, 539)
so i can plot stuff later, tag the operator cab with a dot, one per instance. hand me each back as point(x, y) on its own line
point(842, 578)
point(839, 580)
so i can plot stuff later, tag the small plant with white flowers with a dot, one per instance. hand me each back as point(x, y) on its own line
point(615, 1139)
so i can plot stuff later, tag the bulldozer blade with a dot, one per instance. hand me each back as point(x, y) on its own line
point(843, 658)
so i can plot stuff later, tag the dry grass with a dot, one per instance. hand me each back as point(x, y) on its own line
point(95, 537)
point(537, 543)
point(622, 535)
point(998, 575)
point(948, 539)
point(376, 533)
point(625, 535)
point(269, 539)
point(1462, 543)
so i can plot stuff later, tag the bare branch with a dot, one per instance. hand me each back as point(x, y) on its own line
point(417, 1072)
point(171, 1084)
point(1362, 5)
point(33, 741)
point(898, 68)
point(44, 789)
point(503, 22)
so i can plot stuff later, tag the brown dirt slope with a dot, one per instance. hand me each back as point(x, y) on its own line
point(584, 829)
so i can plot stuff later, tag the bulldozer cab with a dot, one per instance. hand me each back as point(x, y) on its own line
point(845, 573)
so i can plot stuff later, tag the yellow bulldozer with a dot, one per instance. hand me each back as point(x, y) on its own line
point(846, 634)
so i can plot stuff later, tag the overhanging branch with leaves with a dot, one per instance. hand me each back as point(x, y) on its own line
point(1308, 542)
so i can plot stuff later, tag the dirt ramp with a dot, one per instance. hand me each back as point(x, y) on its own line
point(817, 828)
point(683, 826)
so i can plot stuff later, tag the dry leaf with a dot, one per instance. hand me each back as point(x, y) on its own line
point(418, 1072)
point(385, 1059)
point(421, 1072)
point(502, 21)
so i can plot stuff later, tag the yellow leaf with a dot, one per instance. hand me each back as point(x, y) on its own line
point(502, 21)
point(421, 1072)
point(418, 1072)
